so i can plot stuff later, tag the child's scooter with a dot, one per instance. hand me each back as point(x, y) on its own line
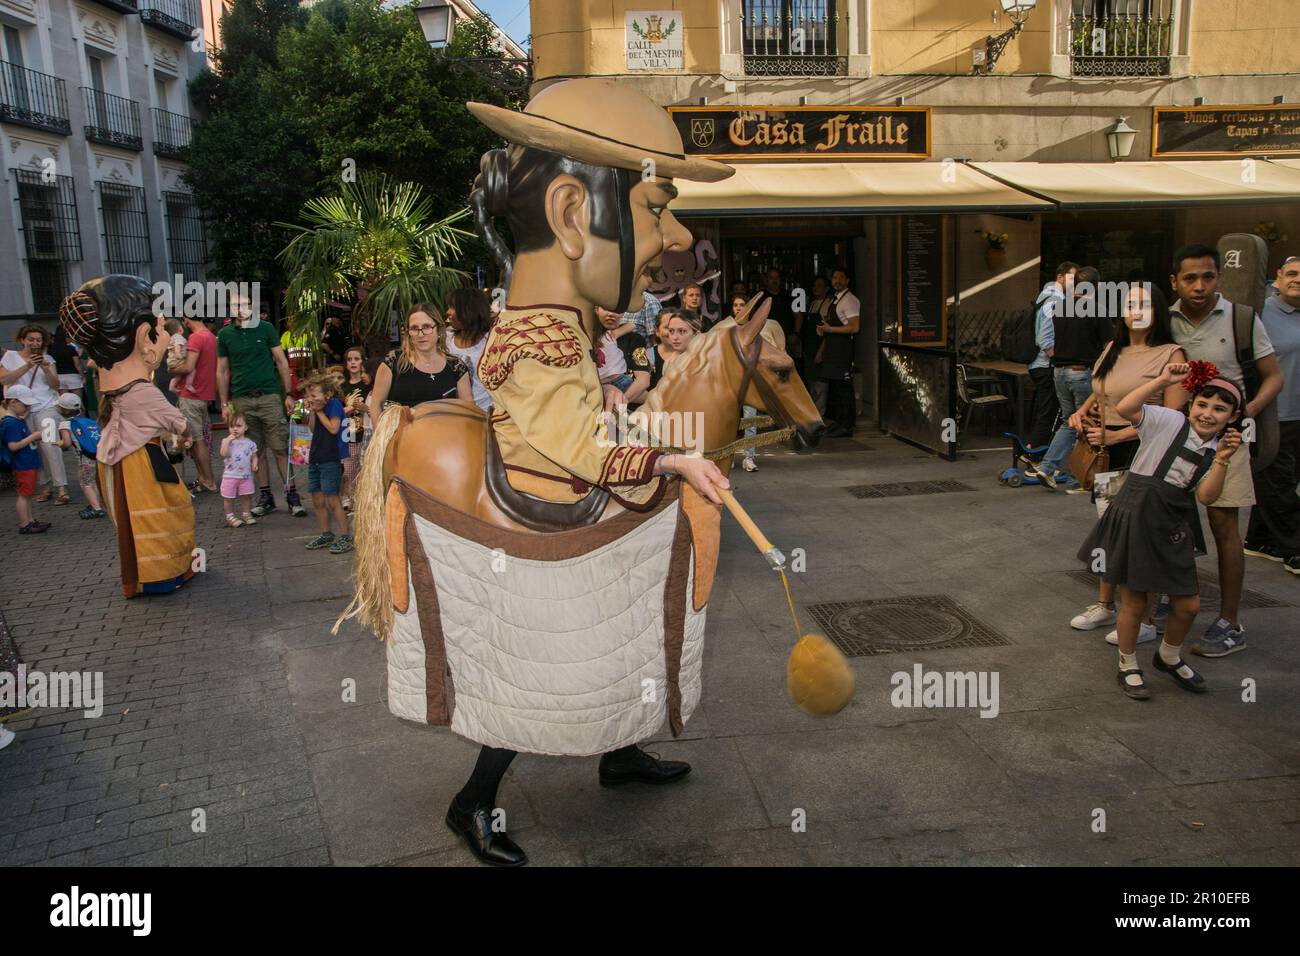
point(1015, 476)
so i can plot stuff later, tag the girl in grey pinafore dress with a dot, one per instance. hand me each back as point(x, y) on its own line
point(1145, 535)
point(1144, 541)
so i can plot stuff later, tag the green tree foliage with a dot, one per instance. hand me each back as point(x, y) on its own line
point(249, 165)
point(376, 234)
point(301, 92)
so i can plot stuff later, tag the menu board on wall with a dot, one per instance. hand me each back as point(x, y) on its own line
point(1226, 130)
point(922, 280)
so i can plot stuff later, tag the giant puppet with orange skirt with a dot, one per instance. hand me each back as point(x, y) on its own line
point(112, 318)
point(540, 577)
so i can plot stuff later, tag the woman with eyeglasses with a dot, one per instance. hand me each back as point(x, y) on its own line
point(420, 370)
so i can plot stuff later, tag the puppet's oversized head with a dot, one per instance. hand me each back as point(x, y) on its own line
point(586, 181)
point(113, 319)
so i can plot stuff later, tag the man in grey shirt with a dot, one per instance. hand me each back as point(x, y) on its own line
point(1202, 322)
point(1274, 531)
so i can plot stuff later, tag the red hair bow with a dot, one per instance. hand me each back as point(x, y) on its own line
point(1201, 373)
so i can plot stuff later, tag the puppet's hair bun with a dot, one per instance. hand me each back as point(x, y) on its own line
point(79, 314)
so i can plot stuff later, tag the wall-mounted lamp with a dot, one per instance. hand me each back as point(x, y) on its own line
point(1019, 11)
point(1119, 139)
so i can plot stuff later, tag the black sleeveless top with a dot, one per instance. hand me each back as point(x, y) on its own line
point(412, 386)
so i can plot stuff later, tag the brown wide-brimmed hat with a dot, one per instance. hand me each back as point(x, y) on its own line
point(602, 123)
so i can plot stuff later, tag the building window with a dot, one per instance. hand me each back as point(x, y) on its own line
point(47, 206)
point(114, 120)
point(187, 245)
point(162, 90)
point(28, 97)
point(1121, 37)
point(126, 229)
point(792, 38)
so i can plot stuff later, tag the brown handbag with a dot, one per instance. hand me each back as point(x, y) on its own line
point(1088, 460)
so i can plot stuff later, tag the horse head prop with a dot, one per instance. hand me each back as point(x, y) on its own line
point(736, 363)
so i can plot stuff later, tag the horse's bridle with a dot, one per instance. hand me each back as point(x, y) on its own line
point(776, 411)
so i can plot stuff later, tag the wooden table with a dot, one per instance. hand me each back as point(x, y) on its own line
point(1017, 372)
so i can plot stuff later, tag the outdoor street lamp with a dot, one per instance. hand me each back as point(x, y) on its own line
point(1119, 139)
point(438, 23)
point(435, 21)
point(1019, 11)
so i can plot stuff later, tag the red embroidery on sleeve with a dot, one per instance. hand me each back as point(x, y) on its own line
point(540, 336)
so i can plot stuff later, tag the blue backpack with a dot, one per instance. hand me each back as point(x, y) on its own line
point(85, 432)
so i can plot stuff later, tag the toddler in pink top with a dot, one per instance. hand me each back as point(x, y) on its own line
point(240, 454)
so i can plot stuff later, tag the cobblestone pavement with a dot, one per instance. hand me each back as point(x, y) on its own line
point(231, 697)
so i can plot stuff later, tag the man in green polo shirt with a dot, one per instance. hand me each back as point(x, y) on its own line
point(253, 381)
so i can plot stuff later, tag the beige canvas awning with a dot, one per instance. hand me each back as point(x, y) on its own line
point(811, 189)
point(1125, 185)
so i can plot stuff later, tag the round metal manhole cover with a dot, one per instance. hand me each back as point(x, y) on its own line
point(899, 624)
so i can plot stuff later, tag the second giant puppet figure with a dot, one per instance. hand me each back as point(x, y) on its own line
point(112, 318)
point(530, 575)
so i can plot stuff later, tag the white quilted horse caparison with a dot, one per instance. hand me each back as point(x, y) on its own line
point(550, 657)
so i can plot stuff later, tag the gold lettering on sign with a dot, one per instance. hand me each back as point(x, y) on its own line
point(836, 131)
point(832, 128)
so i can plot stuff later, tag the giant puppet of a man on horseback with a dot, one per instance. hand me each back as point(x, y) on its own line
point(541, 582)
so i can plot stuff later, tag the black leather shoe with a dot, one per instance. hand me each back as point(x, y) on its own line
point(639, 767)
point(489, 846)
point(1195, 683)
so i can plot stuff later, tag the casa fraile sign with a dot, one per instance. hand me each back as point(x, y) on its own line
point(1226, 130)
point(654, 40)
point(796, 132)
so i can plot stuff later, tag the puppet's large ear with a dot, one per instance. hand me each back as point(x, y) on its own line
point(568, 214)
point(144, 333)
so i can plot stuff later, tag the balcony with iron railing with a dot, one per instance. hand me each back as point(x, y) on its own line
point(792, 38)
point(112, 120)
point(180, 18)
point(171, 133)
point(1130, 44)
point(33, 99)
